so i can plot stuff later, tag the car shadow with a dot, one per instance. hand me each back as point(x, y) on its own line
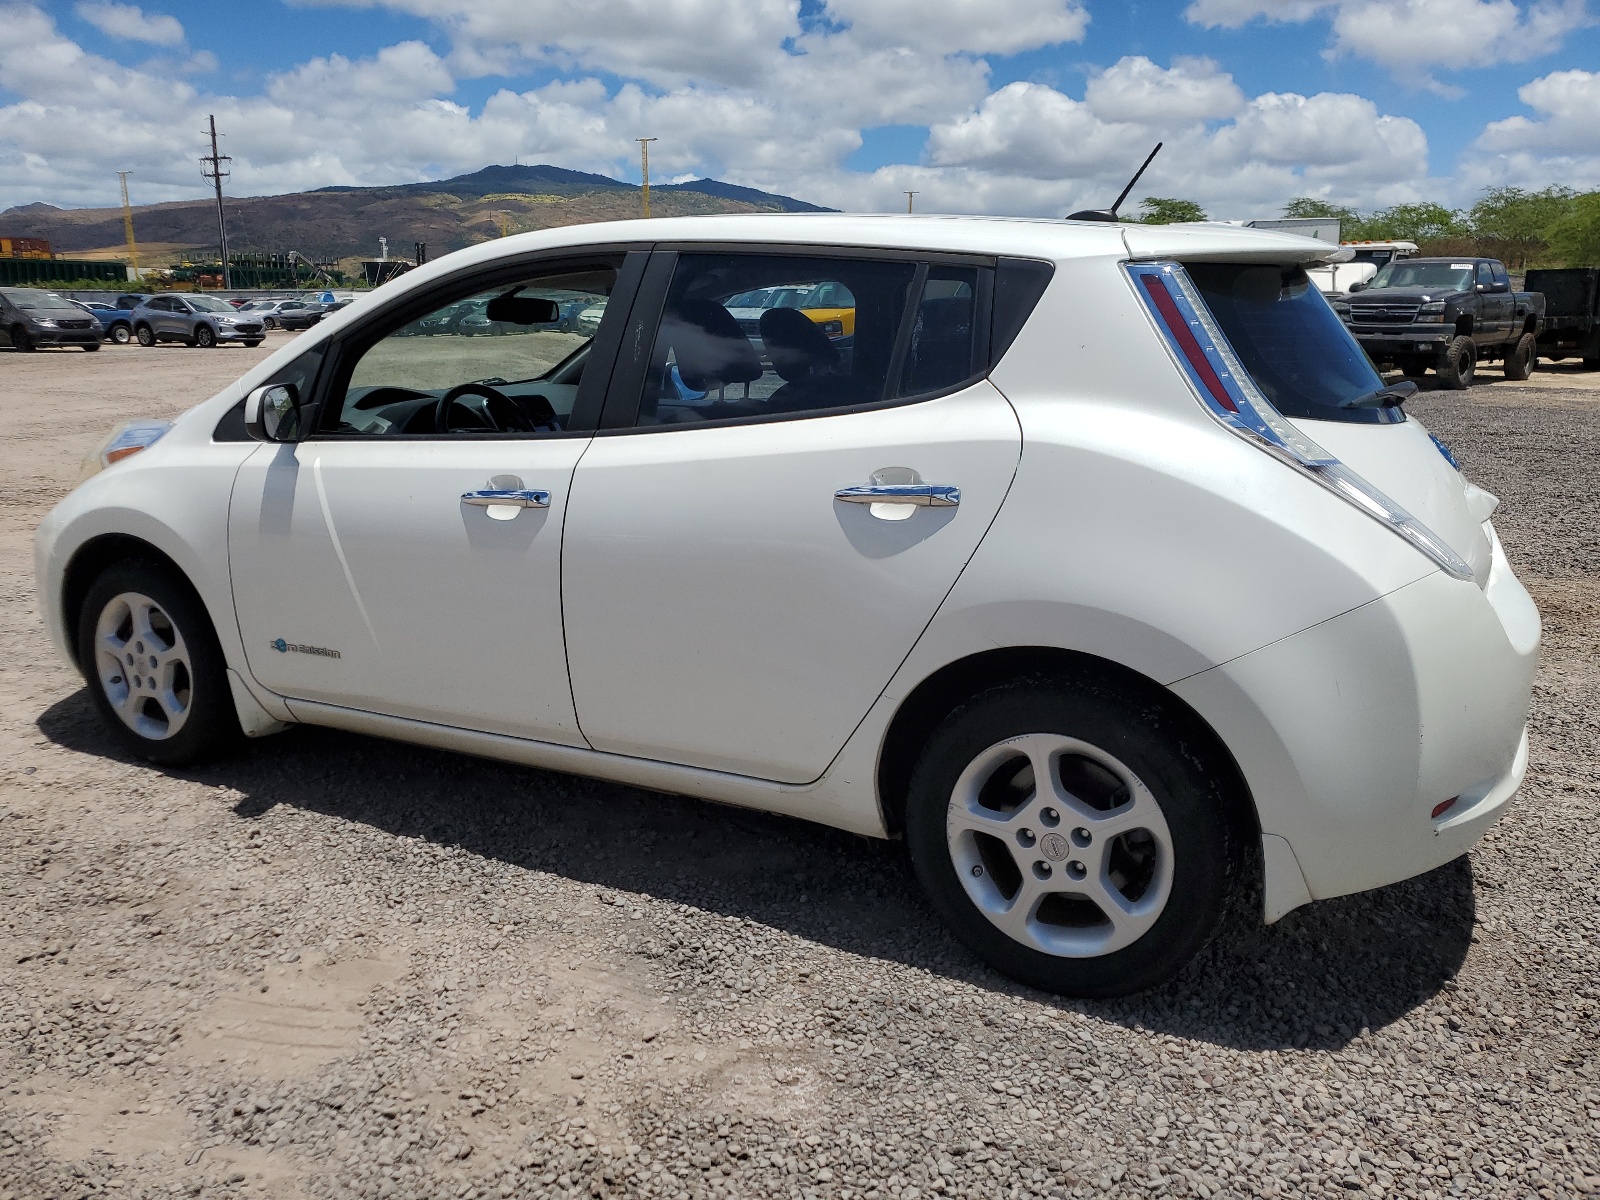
point(1318, 978)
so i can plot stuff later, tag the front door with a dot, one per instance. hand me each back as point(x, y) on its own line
point(406, 558)
point(755, 549)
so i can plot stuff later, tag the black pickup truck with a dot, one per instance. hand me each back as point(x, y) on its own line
point(1446, 313)
point(1572, 313)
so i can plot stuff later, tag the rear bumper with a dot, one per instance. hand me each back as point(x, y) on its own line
point(1350, 733)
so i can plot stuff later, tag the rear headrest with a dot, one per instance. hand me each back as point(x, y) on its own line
point(796, 344)
point(711, 348)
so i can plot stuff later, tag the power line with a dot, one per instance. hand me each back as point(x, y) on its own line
point(211, 170)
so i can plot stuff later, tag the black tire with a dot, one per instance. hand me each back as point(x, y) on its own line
point(252, 343)
point(1458, 362)
point(146, 335)
point(21, 340)
point(1414, 369)
point(1592, 363)
point(204, 337)
point(208, 725)
point(1160, 745)
point(269, 322)
point(120, 333)
point(1523, 359)
point(91, 346)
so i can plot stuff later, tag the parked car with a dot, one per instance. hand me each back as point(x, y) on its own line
point(1108, 627)
point(271, 312)
point(32, 317)
point(1447, 314)
point(194, 320)
point(310, 314)
point(113, 325)
point(1572, 313)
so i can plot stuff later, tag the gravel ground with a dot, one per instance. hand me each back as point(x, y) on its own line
point(341, 967)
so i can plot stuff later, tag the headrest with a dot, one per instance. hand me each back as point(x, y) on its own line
point(710, 347)
point(796, 344)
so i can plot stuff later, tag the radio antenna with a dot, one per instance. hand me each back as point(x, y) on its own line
point(1110, 214)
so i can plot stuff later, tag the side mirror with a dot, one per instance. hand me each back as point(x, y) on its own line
point(1483, 287)
point(1358, 286)
point(1500, 285)
point(272, 413)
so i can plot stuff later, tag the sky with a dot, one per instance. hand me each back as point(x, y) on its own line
point(1015, 107)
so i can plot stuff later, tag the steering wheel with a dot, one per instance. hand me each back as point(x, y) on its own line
point(499, 409)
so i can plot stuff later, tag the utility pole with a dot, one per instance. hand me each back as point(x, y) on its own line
point(909, 198)
point(644, 160)
point(127, 223)
point(211, 169)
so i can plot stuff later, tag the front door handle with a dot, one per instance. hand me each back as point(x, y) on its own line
point(922, 495)
point(506, 498)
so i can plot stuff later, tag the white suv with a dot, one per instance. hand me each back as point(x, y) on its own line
point(1096, 562)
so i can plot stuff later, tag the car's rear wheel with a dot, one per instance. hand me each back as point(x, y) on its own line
point(1458, 362)
point(1524, 357)
point(155, 670)
point(20, 339)
point(146, 335)
point(121, 334)
point(204, 337)
point(1072, 835)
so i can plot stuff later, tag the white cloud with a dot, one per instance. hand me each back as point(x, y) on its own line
point(129, 22)
point(970, 26)
point(1135, 89)
point(1559, 146)
point(1414, 35)
point(407, 71)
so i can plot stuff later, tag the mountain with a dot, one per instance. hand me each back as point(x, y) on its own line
point(346, 222)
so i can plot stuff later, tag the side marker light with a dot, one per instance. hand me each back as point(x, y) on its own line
point(1444, 806)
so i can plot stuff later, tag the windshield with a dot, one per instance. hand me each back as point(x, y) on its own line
point(208, 304)
point(1293, 345)
point(1451, 277)
point(34, 301)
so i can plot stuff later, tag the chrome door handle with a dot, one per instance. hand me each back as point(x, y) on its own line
point(922, 495)
point(507, 498)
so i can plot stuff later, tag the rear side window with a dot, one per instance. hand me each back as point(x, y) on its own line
point(748, 336)
point(1293, 345)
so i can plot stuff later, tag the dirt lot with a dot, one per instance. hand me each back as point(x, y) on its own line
point(341, 967)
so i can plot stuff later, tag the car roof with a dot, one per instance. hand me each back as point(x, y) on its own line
point(1023, 237)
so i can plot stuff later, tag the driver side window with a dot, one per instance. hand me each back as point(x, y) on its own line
point(500, 360)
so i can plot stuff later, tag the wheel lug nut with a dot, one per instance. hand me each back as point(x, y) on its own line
point(1050, 816)
point(1026, 837)
point(1041, 869)
point(1076, 869)
point(1082, 837)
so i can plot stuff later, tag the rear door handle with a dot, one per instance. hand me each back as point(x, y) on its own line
point(922, 495)
point(506, 498)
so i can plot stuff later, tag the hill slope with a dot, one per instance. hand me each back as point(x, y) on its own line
point(340, 222)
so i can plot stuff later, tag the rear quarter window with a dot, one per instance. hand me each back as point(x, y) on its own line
point(1293, 345)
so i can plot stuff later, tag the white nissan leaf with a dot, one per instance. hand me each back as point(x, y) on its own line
point(1096, 562)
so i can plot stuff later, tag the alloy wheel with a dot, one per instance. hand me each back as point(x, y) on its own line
point(143, 666)
point(1060, 845)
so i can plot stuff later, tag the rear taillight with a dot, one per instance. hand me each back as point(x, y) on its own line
point(1227, 392)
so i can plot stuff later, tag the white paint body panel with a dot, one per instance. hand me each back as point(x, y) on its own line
point(438, 611)
point(724, 611)
point(714, 620)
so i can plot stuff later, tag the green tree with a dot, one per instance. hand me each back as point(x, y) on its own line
point(1514, 224)
point(1575, 238)
point(1163, 210)
point(1305, 206)
point(1424, 222)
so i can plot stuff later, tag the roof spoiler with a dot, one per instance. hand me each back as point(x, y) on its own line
point(1110, 214)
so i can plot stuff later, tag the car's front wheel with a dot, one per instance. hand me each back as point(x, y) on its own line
point(205, 337)
point(1458, 362)
point(20, 339)
point(1073, 835)
point(155, 670)
point(91, 346)
point(269, 322)
point(146, 335)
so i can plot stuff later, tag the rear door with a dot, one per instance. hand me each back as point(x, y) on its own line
point(769, 519)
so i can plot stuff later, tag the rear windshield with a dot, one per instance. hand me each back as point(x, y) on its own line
point(1293, 345)
point(1453, 277)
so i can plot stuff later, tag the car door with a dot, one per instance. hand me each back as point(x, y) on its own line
point(1494, 307)
point(405, 557)
point(769, 518)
